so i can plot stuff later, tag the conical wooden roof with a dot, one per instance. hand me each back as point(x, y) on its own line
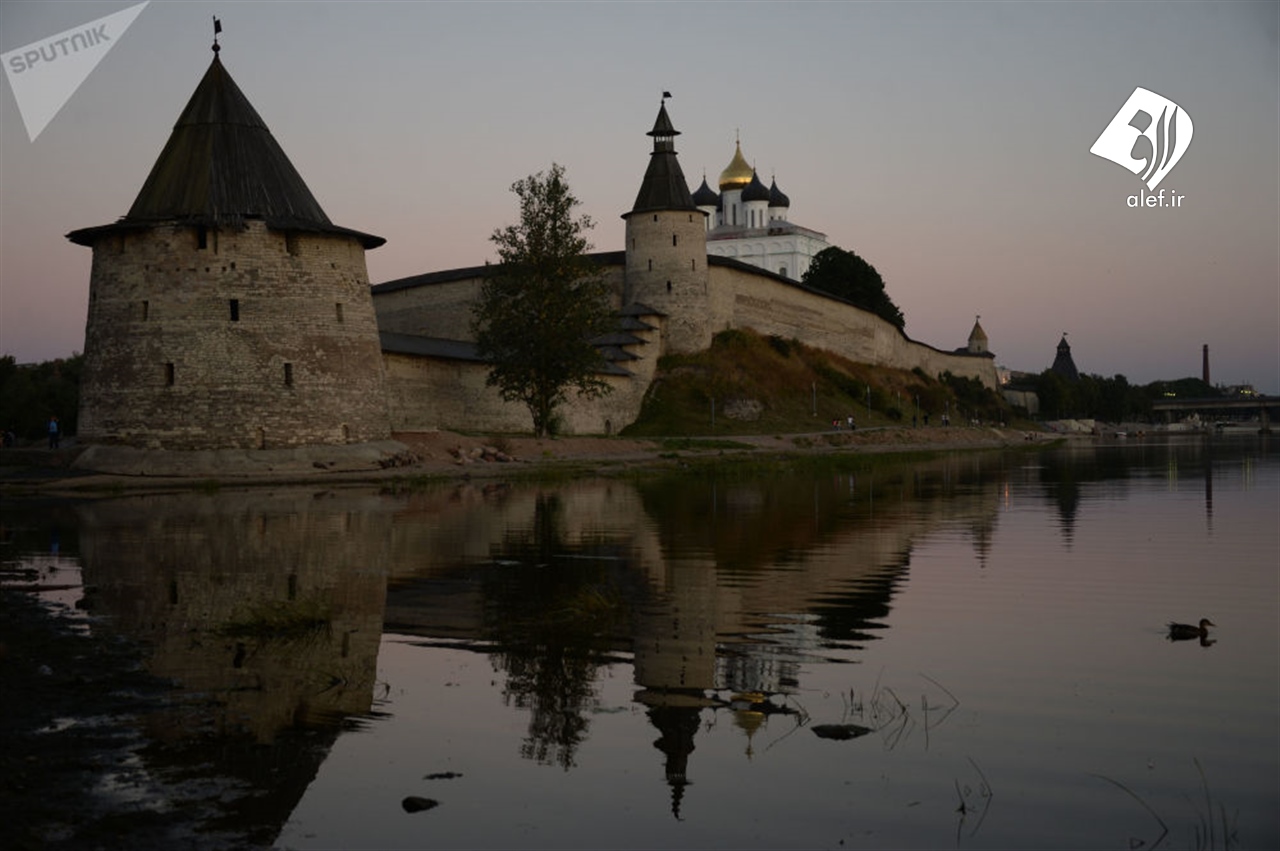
point(222, 166)
point(663, 186)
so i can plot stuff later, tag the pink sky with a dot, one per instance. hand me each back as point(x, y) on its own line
point(946, 143)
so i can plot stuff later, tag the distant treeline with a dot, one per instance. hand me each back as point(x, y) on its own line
point(32, 393)
point(1111, 399)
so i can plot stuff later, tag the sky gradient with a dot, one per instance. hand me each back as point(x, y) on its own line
point(946, 143)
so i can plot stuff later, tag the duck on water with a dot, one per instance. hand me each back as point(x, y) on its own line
point(1186, 631)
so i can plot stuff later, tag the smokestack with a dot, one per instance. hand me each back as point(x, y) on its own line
point(1206, 364)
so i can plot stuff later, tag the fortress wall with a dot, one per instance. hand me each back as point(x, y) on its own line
point(430, 393)
point(258, 340)
point(435, 393)
point(444, 309)
point(432, 310)
point(746, 300)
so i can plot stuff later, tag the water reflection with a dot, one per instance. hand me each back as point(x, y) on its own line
point(265, 610)
point(718, 590)
point(726, 601)
point(1065, 474)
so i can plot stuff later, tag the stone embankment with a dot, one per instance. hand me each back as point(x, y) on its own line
point(479, 454)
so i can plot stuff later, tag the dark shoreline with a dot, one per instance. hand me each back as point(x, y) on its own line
point(425, 457)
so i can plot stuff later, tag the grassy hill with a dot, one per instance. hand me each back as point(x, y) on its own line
point(769, 385)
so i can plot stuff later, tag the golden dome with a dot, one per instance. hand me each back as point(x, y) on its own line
point(738, 173)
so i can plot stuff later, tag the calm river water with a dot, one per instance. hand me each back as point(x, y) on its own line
point(966, 652)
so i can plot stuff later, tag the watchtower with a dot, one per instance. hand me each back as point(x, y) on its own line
point(666, 247)
point(225, 309)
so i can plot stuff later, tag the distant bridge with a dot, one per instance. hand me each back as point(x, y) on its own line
point(1218, 407)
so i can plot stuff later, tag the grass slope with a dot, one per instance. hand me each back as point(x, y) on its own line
point(769, 385)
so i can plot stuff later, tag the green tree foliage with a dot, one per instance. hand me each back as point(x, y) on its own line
point(974, 400)
point(544, 303)
point(31, 393)
point(1110, 399)
point(846, 275)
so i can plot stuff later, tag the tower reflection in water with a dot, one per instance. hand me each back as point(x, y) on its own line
point(719, 592)
point(265, 611)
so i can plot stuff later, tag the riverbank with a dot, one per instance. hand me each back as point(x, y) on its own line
point(452, 455)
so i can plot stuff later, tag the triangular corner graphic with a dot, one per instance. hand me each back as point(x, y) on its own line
point(46, 73)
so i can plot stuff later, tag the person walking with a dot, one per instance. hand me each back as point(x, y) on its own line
point(53, 433)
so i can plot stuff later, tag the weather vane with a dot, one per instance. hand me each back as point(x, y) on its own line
point(217, 28)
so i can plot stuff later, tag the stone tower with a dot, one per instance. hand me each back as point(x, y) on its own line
point(1063, 363)
point(667, 247)
point(225, 309)
point(977, 338)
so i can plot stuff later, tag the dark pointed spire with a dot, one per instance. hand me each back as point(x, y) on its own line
point(1064, 364)
point(664, 186)
point(663, 132)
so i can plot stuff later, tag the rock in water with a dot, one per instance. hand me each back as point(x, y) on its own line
point(840, 731)
point(414, 804)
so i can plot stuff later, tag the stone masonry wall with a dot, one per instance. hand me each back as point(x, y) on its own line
point(439, 310)
point(428, 393)
point(444, 309)
point(666, 269)
point(255, 339)
point(746, 300)
point(435, 393)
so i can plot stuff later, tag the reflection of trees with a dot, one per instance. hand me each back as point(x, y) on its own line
point(1065, 474)
point(746, 522)
point(849, 614)
point(751, 521)
point(554, 614)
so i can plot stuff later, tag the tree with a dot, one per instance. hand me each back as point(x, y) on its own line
point(31, 393)
point(1057, 395)
point(543, 304)
point(845, 275)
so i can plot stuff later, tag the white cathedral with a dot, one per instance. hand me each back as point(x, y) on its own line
point(748, 222)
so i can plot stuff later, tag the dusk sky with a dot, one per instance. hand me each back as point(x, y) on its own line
point(947, 143)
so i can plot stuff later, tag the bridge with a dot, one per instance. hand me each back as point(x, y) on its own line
point(1222, 407)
